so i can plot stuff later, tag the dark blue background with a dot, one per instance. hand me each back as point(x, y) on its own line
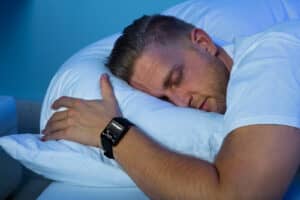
point(37, 36)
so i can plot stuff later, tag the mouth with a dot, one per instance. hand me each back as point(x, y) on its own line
point(190, 102)
point(202, 105)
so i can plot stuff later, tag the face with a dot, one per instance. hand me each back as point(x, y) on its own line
point(187, 76)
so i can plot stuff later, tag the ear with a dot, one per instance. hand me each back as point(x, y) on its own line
point(201, 39)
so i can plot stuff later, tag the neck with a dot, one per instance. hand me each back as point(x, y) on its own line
point(225, 58)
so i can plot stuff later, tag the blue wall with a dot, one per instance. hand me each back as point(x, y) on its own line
point(37, 36)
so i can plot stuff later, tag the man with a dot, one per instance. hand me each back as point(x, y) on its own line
point(252, 82)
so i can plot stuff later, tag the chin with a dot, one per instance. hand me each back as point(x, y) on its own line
point(219, 109)
point(222, 110)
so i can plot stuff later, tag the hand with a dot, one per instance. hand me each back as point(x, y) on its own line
point(83, 120)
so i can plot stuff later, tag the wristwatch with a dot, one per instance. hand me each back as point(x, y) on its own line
point(113, 133)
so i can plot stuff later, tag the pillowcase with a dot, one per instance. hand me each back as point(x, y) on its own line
point(226, 19)
point(68, 162)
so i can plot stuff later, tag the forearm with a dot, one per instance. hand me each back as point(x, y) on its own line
point(163, 174)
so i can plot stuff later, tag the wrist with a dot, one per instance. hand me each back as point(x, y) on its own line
point(97, 140)
point(113, 133)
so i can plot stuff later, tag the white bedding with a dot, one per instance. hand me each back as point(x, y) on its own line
point(71, 192)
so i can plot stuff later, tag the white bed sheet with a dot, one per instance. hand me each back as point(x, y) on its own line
point(65, 191)
point(57, 190)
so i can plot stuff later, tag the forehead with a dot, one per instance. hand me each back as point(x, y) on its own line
point(152, 67)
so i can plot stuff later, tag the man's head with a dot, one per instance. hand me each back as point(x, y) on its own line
point(171, 59)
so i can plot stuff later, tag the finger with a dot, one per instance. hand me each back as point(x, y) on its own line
point(59, 135)
point(56, 126)
point(60, 115)
point(68, 102)
point(106, 88)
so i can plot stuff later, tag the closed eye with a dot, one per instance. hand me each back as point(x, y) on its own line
point(174, 77)
point(177, 77)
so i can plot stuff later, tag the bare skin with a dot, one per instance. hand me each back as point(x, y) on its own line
point(255, 162)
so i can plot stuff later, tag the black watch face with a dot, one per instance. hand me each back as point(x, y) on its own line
point(114, 130)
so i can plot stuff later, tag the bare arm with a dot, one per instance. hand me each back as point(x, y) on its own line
point(255, 162)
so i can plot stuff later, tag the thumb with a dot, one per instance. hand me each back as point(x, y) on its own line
point(106, 88)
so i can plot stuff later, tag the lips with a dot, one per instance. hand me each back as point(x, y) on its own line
point(202, 105)
point(193, 103)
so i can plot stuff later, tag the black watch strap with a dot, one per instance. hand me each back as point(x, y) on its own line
point(113, 133)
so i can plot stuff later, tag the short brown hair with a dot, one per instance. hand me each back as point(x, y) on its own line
point(138, 35)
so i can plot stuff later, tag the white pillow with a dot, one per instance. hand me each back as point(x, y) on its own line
point(72, 192)
point(227, 19)
point(65, 161)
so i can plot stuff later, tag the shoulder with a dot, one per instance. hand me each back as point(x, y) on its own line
point(264, 45)
point(263, 84)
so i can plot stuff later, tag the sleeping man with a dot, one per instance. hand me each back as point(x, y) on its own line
point(254, 82)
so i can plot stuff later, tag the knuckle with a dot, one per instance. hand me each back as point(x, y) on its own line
point(51, 119)
point(62, 97)
point(65, 132)
point(77, 102)
point(48, 122)
point(68, 131)
point(70, 122)
point(70, 113)
point(54, 116)
point(49, 125)
point(59, 99)
point(75, 113)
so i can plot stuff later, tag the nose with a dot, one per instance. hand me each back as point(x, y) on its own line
point(179, 98)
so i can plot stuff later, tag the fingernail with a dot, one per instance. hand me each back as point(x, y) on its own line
point(45, 132)
point(105, 76)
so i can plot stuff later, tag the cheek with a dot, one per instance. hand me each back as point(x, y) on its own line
point(191, 81)
point(201, 75)
point(193, 75)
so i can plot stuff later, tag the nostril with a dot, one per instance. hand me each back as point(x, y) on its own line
point(165, 98)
